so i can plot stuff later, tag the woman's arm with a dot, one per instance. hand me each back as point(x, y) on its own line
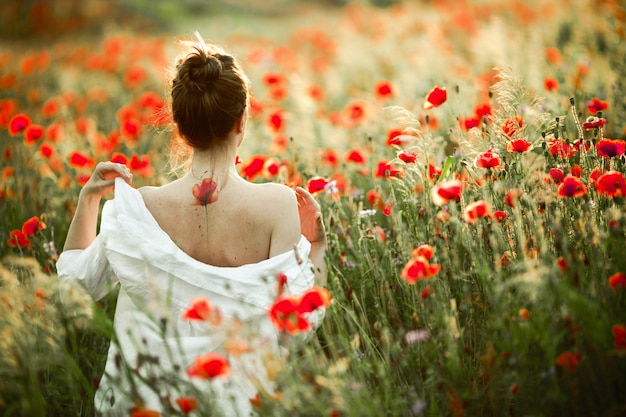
point(312, 227)
point(82, 230)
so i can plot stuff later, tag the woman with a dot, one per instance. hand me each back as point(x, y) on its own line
point(209, 233)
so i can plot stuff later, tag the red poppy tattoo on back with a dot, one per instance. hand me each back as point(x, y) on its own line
point(205, 194)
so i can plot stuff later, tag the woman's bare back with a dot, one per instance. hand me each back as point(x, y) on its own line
point(247, 223)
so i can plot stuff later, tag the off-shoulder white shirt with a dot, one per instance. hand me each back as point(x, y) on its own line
point(157, 282)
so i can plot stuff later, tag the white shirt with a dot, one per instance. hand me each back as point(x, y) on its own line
point(157, 282)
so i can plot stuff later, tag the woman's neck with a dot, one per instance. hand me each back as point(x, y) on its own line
point(217, 164)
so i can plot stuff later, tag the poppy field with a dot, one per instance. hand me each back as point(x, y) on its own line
point(469, 158)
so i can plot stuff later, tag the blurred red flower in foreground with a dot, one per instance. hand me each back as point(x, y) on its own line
point(316, 184)
point(610, 148)
point(205, 192)
point(209, 366)
point(487, 159)
point(187, 404)
point(619, 336)
point(18, 123)
point(617, 279)
point(446, 191)
point(17, 239)
point(557, 175)
point(200, 308)
point(418, 267)
point(436, 97)
point(519, 145)
point(595, 105)
point(289, 312)
point(476, 210)
point(32, 226)
point(568, 360)
point(611, 183)
point(144, 412)
point(572, 187)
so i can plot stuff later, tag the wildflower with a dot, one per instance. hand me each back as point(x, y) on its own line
point(446, 191)
point(611, 183)
point(187, 404)
point(201, 308)
point(273, 78)
point(330, 157)
point(616, 280)
point(433, 172)
point(209, 366)
point(384, 90)
point(512, 125)
point(595, 105)
point(499, 215)
point(18, 123)
point(355, 113)
point(553, 55)
point(355, 155)
point(285, 315)
point(418, 268)
point(394, 137)
point(519, 146)
point(619, 336)
point(316, 184)
point(557, 175)
point(81, 160)
point(276, 121)
point(476, 210)
point(524, 314)
point(560, 148)
point(46, 150)
point(32, 134)
point(205, 192)
point(426, 292)
point(32, 226)
point(576, 171)
point(144, 412)
point(470, 122)
point(562, 264)
point(572, 187)
point(593, 122)
point(253, 166)
point(551, 84)
point(134, 76)
point(18, 239)
point(313, 299)
point(487, 159)
point(436, 97)
point(610, 148)
point(425, 250)
point(407, 156)
point(384, 169)
point(568, 360)
point(271, 167)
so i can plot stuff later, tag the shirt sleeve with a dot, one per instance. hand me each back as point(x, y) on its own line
point(88, 267)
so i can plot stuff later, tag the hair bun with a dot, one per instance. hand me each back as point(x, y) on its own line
point(200, 70)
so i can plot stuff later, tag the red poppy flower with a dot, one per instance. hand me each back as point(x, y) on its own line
point(436, 97)
point(355, 155)
point(285, 315)
point(576, 171)
point(316, 184)
point(271, 167)
point(444, 192)
point(425, 250)
point(205, 192)
point(130, 129)
point(595, 105)
point(384, 90)
point(393, 137)
point(54, 132)
point(512, 125)
point(187, 404)
point(80, 160)
point(209, 366)
point(594, 123)
point(134, 76)
point(482, 110)
point(433, 172)
point(32, 134)
point(18, 123)
point(407, 156)
point(385, 169)
point(200, 308)
point(273, 78)
point(355, 113)
point(374, 199)
point(618, 279)
point(519, 145)
point(313, 299)
point(499, 215)
point(253, 166)
point(562, 264)
point(141, 165)
point(82, 178)
point(553, 55)
point(572, 187)
point(276, 121)
point(568, 360)
point(119, 158)
point(418, 268)
point(18, 239)
point(51, 108)
point(476, 210)
point(330, 157)
point(558, 147)
point(316, 92)
point(470, 122)
point(619, 336)
point(551, 84)
point(488, 159)
point(611, 183)
point(32, 226)
point(610, 148)
point(512, 197)
point(557, 175)
point(46, 150)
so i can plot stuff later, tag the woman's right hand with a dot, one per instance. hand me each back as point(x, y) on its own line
point(102, 180)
